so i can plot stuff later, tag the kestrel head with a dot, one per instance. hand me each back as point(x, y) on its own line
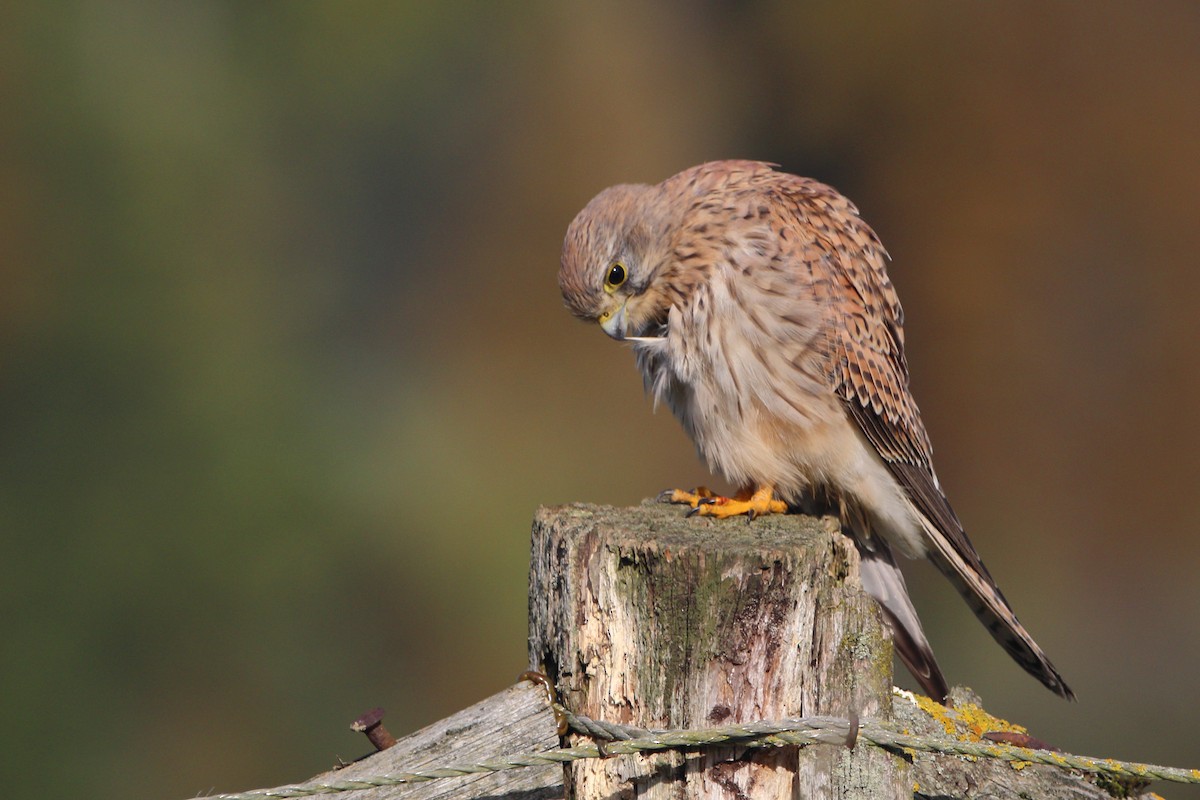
point(613, 257)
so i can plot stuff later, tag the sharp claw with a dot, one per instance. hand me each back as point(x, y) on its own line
point(706, 501)
point(665, 496)
point(750, 515)
point(692, 512)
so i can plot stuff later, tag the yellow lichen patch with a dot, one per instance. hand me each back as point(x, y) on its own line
point(980, 722)
point(1019, 765)
point(938, 712)
point(972, 718)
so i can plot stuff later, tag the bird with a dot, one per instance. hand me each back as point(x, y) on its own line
point(759, 309)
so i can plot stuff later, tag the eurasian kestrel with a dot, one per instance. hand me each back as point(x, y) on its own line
point(760, 311)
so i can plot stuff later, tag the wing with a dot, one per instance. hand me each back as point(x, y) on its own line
point(867, 370)
point(865, 354)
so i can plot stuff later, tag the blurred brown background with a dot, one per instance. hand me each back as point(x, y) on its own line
point(284, 370)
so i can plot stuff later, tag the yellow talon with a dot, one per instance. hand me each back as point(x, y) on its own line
point(701, 494)
point(707, 504)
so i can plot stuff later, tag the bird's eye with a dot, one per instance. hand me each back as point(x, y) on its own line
point(616, 276)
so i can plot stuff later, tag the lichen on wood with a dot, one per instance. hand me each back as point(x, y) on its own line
point(646, 618)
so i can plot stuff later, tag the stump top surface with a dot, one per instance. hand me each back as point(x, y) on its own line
point(664, 525)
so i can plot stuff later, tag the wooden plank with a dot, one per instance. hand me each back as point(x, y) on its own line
point(513, 721)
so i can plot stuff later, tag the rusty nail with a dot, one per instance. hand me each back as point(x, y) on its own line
point(541, 679)
point(852, 734)
point(371, 723)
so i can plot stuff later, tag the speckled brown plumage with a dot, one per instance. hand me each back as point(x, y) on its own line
point(761, 312)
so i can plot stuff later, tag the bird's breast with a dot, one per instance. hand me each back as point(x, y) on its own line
point(742, 374)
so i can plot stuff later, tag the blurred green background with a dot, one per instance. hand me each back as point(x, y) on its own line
point(284, 371)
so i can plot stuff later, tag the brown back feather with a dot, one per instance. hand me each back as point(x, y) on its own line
point(868, 371)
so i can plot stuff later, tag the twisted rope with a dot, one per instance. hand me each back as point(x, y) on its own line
point(832, 730)
point(622, 739)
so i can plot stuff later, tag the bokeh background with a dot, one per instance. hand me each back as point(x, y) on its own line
point(284, 371)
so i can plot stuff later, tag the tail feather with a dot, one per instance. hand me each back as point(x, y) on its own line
point(884, 581)
point(989, 606)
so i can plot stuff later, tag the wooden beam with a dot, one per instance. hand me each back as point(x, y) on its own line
point(515, 720)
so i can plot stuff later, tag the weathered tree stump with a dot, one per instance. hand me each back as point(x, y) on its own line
point(643, 617)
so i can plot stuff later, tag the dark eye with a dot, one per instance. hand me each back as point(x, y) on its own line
point(616, 276)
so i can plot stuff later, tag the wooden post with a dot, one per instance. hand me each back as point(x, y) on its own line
point(646, 618)
point(643, 617)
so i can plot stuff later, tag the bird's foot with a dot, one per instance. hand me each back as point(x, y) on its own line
point(701, 494)
point(706, 504)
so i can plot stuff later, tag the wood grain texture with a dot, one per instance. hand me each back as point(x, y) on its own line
point(646, 618)
point(513, 721)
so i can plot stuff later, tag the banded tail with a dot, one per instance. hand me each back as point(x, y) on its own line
point(976, 586)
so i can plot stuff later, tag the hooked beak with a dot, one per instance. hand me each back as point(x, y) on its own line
point(613, 322)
